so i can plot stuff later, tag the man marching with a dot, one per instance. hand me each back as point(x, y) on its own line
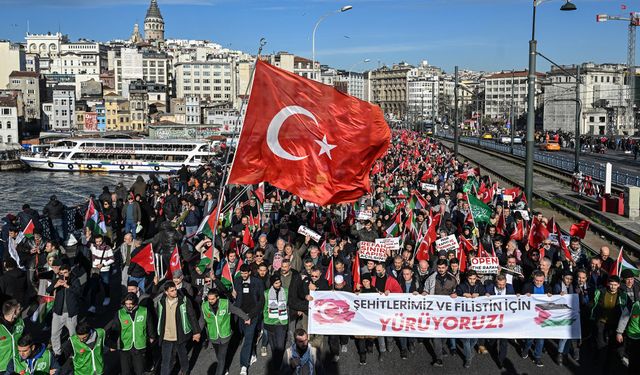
point(32, 359)
point(11, 329)
point(85, 350)
point(133, 326)
point(216, 316)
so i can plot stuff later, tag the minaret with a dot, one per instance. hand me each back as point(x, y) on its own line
point(154, 24)
point(135, 36)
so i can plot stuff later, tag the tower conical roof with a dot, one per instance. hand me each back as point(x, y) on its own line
point(153, 10)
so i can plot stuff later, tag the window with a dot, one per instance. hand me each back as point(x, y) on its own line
point(592, 119)
point(6, 111)
point(9, 139)
point(603, 119)
point(1, 141)
point(8, 124)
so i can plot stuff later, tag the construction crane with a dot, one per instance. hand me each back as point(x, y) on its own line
point(634, 21)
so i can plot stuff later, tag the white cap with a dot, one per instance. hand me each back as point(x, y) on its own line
point(338, 279)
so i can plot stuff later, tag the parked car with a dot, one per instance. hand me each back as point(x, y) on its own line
point(550, 146)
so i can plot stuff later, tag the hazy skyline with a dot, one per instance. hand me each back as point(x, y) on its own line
point(474, 34)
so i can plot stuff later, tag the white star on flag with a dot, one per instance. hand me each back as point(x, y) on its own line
point(325, 147)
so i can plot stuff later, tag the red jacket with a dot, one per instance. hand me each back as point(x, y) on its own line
point(391, 284)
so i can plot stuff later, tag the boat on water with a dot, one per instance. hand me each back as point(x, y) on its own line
point(121, 155)
point(10, 157)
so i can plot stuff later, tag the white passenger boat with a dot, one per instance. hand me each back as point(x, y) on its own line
point(121, 155)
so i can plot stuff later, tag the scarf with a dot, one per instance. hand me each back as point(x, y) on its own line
point(277, 304)
point(305, 365)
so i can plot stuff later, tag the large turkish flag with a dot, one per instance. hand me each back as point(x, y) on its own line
point(308, 138)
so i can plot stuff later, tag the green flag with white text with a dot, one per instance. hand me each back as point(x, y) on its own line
point(480, 211)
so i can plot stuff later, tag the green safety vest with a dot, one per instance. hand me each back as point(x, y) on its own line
point(275, 315)
point(133, 332)
point(182, 309)
point(40, 366)
point(9, 342)
point(87, 361)
point(218, 325)
point(633, 327)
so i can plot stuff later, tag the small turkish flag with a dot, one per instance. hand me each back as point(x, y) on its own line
point(174, 263)
point(308, 138)
point(144, 258)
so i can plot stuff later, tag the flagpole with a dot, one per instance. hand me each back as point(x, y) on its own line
point(226, 171)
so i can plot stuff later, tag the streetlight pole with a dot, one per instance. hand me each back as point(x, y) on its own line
point(531, 102)
point(511, 114)
point(313, 36)
point(456, 116)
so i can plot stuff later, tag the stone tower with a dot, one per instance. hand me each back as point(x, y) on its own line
point(154, 24)
point(135, 35)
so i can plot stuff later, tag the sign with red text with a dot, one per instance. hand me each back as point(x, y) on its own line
point(373, 251)
point(407, 315)
point(309, 232)
point(485, 265)
point(448, 243)
point(391, 243)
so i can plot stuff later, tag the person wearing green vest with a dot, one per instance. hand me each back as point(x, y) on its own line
point(177, 325)
point(216, 320)
point(276, 319)
point(629, 326)
point(132, 326)
point(11, 329)
point(32, 359)
point(85, 351)
point(608, 305)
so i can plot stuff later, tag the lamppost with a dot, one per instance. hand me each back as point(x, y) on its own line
point(313, 36)
point(531, 91)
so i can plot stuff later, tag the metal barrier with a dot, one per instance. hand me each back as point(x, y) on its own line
point(598, 172)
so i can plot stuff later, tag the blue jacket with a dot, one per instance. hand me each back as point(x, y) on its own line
point(490, 288)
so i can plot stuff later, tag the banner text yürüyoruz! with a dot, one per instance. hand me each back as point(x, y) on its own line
point(407, 315)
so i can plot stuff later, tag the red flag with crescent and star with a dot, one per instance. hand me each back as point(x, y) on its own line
point(308, 138)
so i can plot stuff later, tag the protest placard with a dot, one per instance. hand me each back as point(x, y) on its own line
point(429, 187)
point(373, 251)
point(448, 243)
point(364, 215)
point(391, 243)
point(308, 232)
point(524, 213)
point(485, 265)
point(554, 239)
point(267, 207)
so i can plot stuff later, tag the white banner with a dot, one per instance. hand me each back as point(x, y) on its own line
point(364, 215)
point(308, 232)
point(429, 187)
point(408, 315)
point(372, 251)
point(554, 239)
point(485, 265)
point(391, 243)
point(450, 242)
point(524, 213)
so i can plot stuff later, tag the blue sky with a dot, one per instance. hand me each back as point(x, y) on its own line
point(474, 34)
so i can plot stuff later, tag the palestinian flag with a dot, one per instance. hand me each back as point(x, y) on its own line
point(417, 201)
point(94, 220)
point(27, 232)
point(208, 224)
point(389, 205)
point(623, 264)
point(226, 277)
point(45, 306)
point(228, 218)
point(479, 211)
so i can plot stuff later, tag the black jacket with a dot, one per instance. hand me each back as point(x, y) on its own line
point(73, 295)
point(53, 210)
point(256, 291)
point(191, 316)
point(14, 284)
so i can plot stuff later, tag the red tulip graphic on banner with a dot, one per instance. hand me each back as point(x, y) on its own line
point(332, 311)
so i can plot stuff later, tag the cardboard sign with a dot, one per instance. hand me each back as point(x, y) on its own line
point(448, 243)
point(364, 215)
point(391, 243)
point(554, 239)
point(507, 198)
point(429, 187)
point(267, 207)
point(485, 265)
point(308, 232)
point(525, 214)
point(373, 251)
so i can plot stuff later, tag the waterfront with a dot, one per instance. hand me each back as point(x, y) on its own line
point(35, 188)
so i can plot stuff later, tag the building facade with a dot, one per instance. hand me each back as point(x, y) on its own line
point(499, 97)
point(9, 127)
point(211, 81)
point(12, 58)
point(139, 105)
point(154, 23)
point(603, 99)
point(82, 57)
point(64, 98)
point(31, 86)
point(388, 87)
point(132, 64)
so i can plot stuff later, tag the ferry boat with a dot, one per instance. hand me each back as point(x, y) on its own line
point(121, 155)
